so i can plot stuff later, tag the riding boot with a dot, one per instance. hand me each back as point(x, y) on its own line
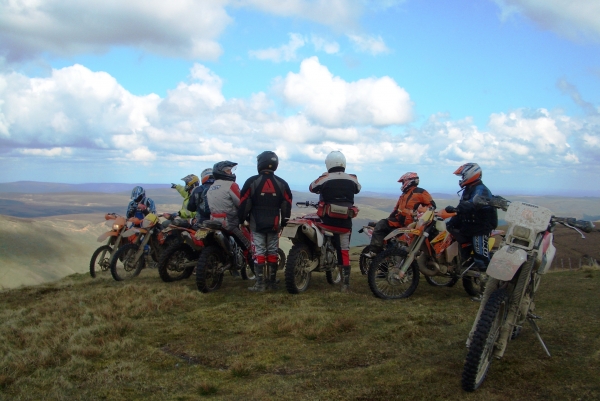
point(259, 285)
point(271, 281)
point(345, 270)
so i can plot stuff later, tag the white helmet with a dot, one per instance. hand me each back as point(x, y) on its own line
point(335, 159)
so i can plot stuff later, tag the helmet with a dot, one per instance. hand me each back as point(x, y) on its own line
point(335, 159)
point(191, 182)
point(267, 160)
point(408, 180)
point(137, 194)
point(220, 170)
point(470, 173)
point(206, 175)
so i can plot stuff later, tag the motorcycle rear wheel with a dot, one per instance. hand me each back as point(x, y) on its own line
point(123, 263)
point(296, 276)
point(441, 281)
point(383, 285)
point(474, 286)
point(482, 346)
point(175, 262)
point(100, 261)
point(207, 278)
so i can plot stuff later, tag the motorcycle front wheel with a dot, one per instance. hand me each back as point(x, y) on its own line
point(384, 279)
point(486, 333)
point(124, 265)
point(296, 276)
point(335, 276)
point(100, 261)
point(177, 262)
point(207, 277)
point(364, 263)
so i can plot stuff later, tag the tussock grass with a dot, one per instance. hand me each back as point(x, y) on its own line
point(81, 338)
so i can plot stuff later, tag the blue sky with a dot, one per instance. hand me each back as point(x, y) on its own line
point(148, 92)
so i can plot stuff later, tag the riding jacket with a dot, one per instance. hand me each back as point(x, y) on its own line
point(335, 187)
point(266, 202)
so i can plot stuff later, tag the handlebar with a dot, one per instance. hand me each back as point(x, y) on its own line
point(307, 204)
point(571, 222)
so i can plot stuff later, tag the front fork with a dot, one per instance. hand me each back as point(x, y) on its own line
point(410, 257)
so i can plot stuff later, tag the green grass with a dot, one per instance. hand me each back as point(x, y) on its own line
point(87, 339)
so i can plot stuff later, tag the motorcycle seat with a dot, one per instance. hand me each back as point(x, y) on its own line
point(333, 229)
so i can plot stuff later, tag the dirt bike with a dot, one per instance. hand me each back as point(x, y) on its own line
point(179, 258)
point(100, 261)
point(515, 271)
point(426, 247)
point(364, 260)
point(221, 253)
point(129, 260)
point(312, 251)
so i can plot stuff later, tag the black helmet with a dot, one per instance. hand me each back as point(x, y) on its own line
point(220, 168)
point(137, 194)
point(267, 160)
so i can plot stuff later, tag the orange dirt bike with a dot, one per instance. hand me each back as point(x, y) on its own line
point(179, 258)
point(425, 246)
point(312, 251)
point(515, 272)
point(129, 260)
point(100, 261)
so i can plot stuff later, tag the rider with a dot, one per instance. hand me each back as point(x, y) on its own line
point(224, 200)
point(138, 197)
point(412, 197)
point(191, 181)
point(198, 202)
point(266, 203)
point(337, 189)
point(472, 225)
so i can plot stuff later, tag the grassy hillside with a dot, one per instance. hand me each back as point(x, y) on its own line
point(82, 339)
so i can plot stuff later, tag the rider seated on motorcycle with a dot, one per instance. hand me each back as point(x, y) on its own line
point(472, 225)
point(412, 197)
point(191, 181)
point(138, 197)
point(198, 202)
point(266, 203)
point(337, 188)
point(224, 200)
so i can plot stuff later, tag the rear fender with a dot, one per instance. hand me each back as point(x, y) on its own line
point(506, 262)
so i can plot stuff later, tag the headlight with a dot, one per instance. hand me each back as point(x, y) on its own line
point(116, 227)
point(521, 232)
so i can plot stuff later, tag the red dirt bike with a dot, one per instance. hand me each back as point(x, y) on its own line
point(515, 272)
point(425, 246)
point(312, 251)
point(179, 258)
point(100, 261)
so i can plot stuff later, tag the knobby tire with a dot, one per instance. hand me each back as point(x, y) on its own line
point(176, 254)
point(122, 266)
point(207, 278)
point(296, 278)
point(379, 281)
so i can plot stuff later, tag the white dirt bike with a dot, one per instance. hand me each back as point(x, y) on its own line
point(515, 271)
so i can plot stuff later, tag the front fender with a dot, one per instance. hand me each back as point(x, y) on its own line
point(106, 235)
point(506, 262)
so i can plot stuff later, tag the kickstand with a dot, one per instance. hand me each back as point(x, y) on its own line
point(531, 319)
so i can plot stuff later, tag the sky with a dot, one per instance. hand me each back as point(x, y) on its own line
point(150, 91)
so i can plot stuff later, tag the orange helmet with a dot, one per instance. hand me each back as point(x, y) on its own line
point(470, 173)
point(409, 179)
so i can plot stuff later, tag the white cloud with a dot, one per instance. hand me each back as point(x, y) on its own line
point(331, 101)
point(571, 18)
point(369, 44)
point(185, 28)
point(54, 152)
point(321, 44)
point(286, 52)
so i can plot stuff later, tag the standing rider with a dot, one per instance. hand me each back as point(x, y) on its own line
point(412, 197)
point(224, 200)
point(139, 205)
point(336, 191)
point(472, 225)
point(266, 203)
point(198, 202)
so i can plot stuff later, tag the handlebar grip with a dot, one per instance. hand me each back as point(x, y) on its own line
point(305, 203)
